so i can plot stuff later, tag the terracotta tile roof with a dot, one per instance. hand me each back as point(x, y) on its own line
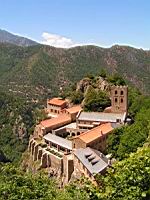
point(96, 133)
point(56, 101)
point(61, 119)
point(74, 109)
point(108, 109)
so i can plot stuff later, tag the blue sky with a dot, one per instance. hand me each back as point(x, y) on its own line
point(73, 22)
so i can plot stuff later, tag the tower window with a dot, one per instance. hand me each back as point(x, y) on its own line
point(116, 100)
point(116, 92)
point(73, 134)
point(121, 92)
point(121, 100)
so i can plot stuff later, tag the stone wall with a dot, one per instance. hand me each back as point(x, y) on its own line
point(55, 162)
point(80, 170)
point(78, 143)
point(98, 144)
point(68, 167)
point(47, 159)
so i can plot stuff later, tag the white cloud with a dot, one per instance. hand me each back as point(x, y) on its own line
point(64, 42)
point(58, 41)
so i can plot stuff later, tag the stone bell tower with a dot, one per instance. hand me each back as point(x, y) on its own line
point(119, 99)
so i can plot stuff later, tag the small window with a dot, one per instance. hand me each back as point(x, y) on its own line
point(118, 120)
point(78, 133)
point(67, 133)
point(116, 100)
point(121, 100)
point(116, 92)
point(121, 92)
point(73, 134)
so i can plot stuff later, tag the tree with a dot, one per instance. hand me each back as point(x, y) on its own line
point(95, 100)
point(116, 79)
point(76, 97)
point(16, 184)
point(127, 139)
point(127, 179)
point(103, 73)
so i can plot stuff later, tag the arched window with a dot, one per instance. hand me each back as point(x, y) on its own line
point(78, 133)
point(116, 92)
point(121, 100)
point(121, 92)
point(116, 100)
point(73, 134)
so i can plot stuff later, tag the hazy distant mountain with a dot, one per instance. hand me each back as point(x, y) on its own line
point(6, 37)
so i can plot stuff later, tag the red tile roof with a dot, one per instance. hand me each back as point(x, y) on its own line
point(57, 101)
point(108, 109)
point(96, 133)
point(74, 109)
point(61, 119)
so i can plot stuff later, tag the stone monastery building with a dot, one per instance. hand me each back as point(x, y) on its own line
point(71, 142)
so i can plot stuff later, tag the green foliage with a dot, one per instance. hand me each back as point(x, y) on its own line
point(67, 91)
point(116, 79)
point(17, 119)
point(136, 102)
point(90, 76)
point(128, 179)
point(95, 100)
point(113, 141)
point(16, 184)
point(76, 97)
point(103, 73)
point(2, 157)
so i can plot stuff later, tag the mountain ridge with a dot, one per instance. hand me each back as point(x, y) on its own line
point(45, 70)
point(7, 37)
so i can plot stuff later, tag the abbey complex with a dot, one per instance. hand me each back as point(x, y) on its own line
point(71, 142)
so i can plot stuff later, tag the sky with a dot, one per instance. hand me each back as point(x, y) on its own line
point(67, 23)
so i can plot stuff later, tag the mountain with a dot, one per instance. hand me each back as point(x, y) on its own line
point(41, 71)
point(6, 37)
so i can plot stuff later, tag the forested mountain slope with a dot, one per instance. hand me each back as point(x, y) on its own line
point(43, 70)
point(17, 120)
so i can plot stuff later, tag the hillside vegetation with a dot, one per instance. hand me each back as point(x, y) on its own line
point(128, 179)
point(40, 71)
point(17, 120)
